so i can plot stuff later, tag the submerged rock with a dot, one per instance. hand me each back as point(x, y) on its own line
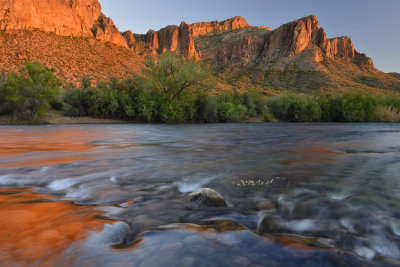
point(205, 197)
point(271, 224)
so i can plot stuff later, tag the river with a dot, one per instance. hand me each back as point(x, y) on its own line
point(114, 195)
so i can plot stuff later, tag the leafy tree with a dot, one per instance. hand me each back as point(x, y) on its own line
point(207, 108)
point(292, 107)
point(29, 93)
point(172, 75)
point(357, 108)
point(229, 112)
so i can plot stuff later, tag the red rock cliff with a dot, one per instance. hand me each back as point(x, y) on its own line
point(202, 28)
point(62, 17)
point(105, 30)
point(280, 46)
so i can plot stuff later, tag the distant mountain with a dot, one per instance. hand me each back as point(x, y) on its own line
point(75, 37)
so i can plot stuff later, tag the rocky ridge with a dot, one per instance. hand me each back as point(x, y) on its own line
point(295, 56)
point(277, 48)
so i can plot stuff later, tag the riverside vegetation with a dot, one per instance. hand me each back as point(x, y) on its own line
point(175, 90)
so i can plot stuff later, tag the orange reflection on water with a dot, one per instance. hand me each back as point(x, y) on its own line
point(311, 154)
point(34, 229)
point(74, 141)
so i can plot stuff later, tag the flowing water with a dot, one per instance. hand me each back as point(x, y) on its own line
point(114, 195)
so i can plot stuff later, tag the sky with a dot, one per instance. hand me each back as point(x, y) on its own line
point(374, 26)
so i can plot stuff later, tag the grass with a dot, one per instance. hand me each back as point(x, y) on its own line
point(387, 114)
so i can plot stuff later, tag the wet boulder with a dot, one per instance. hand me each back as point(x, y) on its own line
point(205, 197)
point(271, 224)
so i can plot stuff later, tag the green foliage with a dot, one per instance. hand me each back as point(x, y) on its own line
point(174, 76)
point(357, 107)
point(229, 112)
point(27, 95)
point(100, 102)
point(268, 117)
point(387, 114)
point(292, 107)
point(86, 82)
point(352, 106)
point(207, 108)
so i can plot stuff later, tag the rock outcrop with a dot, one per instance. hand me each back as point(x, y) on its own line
point(180, 39)
point(62, 17)
point(129, 38)
point(201, 28)
point(105, 31)
point(301, 41)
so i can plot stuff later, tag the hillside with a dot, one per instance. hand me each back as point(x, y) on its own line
point(77, 39)
point(72, 57)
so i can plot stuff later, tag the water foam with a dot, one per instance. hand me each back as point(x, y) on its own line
point(63, 184)
point(194, 183)
point(301, 225)
point(365, 252)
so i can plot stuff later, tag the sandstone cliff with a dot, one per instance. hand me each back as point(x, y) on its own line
point(181, 38)
point(202, 28)
point(62, 17)
point(105, 30)
point(278, 47)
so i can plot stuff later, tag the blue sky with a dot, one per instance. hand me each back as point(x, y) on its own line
point(374, 26)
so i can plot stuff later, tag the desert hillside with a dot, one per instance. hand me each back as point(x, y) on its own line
point(77, 39)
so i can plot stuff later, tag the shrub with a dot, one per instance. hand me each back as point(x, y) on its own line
point(28, 94)
point(268, 117)
point(171, 112)
point(99, 102)
point(331, 108)
point(77, 102)
point(207, 108)
point(357, 107)
point(386, 114)
point(229, 112)
point(292, 107)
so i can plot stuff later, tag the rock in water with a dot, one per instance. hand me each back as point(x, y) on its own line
point(205, 197)
point(271, 224)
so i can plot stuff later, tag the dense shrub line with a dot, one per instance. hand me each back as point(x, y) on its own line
point(173, 91)
point(351, 106)
point(148, 106)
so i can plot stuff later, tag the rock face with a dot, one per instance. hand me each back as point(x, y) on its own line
point(62, 17)
point(301, 42)
point(105, 30)
point(205, 197)
point(129, 38)
point(181, 38)
point(197, 29)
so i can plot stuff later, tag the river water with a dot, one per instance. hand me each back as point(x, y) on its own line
point(114, 195)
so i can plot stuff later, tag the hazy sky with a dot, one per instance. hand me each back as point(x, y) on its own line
point(374, 26)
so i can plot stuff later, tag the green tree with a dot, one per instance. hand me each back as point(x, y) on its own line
point(172, 75)
point(29, 93)
point(357, 108)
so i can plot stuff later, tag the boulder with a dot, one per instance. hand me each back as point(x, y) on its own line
point(205, 197)
point(271, 224)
